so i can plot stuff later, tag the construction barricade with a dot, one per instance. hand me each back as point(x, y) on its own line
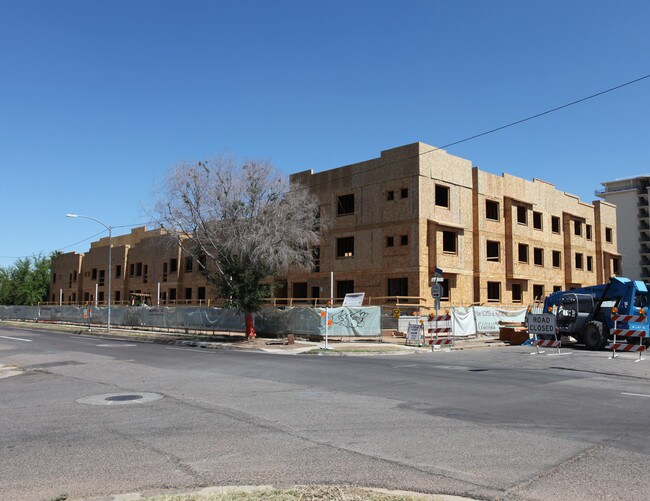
point(624, 338)
point(542, 325)
point(440, 324)
point(547, 343)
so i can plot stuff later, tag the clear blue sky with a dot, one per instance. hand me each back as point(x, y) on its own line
point(99, 98)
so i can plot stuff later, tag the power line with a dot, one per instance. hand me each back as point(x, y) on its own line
point(80, 241)
point(491, 131)
point(134, 225)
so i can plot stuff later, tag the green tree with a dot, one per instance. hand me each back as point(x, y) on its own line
point(26, 282)
point(243, 222)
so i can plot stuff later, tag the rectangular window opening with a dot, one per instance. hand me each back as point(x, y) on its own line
point(494, 291)
point(492, 210)
point(345, 204)
point(442, 196)
point(577, 228)
point(449, 243)
point(345, 247)
point(492, 250)
point(555, 224)
point(522, 215)
point(523, 253)
point(398, 286)
point(557, 259)
point(344, 287)
point(579, 258)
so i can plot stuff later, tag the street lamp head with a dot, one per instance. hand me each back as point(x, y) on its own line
point(72, 215)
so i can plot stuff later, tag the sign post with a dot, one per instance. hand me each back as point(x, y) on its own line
point(436, 288)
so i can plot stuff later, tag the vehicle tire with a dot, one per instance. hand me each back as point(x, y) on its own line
point(594, 336)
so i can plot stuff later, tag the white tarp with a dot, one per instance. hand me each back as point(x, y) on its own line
point(470, 321)
point(483, 319)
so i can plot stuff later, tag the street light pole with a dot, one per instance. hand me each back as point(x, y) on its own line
point(110, 260)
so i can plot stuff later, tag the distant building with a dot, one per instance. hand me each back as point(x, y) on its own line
point(147, 266)
point(396, 219)
point(630, 196)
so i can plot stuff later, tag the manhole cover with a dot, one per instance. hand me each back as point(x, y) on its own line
point(122, 398)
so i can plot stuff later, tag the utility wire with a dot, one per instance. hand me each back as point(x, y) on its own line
point(491, 131)
point(80, 241)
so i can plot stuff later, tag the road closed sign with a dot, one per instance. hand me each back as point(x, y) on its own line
point(541, 323)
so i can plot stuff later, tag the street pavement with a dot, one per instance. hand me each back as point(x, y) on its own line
point(94, 417)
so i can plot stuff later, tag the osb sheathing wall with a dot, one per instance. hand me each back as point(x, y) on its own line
point(416, 222)
point(420, 167)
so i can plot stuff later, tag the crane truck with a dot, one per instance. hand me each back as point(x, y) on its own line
point(585, 313)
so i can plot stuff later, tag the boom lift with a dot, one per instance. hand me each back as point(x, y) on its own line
point(585, 313)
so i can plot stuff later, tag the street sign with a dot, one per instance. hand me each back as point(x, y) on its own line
point(436, 290)
point(541, 323)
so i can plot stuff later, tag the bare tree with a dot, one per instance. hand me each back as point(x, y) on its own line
point(243, 223)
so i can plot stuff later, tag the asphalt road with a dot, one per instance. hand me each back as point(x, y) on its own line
point(484, 423)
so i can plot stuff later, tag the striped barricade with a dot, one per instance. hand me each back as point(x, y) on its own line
point(437, 329)
point(629, 333)
point(640, 348)
point(628, 318)
point(628, 336)
point(546, 343)
point(441, 342)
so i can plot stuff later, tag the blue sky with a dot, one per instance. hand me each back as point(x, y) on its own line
point(99, 98)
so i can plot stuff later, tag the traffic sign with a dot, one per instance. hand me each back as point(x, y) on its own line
point(541, 323)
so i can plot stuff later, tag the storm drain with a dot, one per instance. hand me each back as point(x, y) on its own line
point(120, 399)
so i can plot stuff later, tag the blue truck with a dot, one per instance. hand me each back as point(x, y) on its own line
point(585, 313)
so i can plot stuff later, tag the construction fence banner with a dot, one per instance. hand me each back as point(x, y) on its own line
point(483, 319)
point(473, 320)
point(346, 322)
point(362, 321)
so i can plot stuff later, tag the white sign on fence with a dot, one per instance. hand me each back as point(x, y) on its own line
point(541, 323)
point(354, 299)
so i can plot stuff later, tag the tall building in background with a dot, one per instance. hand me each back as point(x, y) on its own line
point(630, 196)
